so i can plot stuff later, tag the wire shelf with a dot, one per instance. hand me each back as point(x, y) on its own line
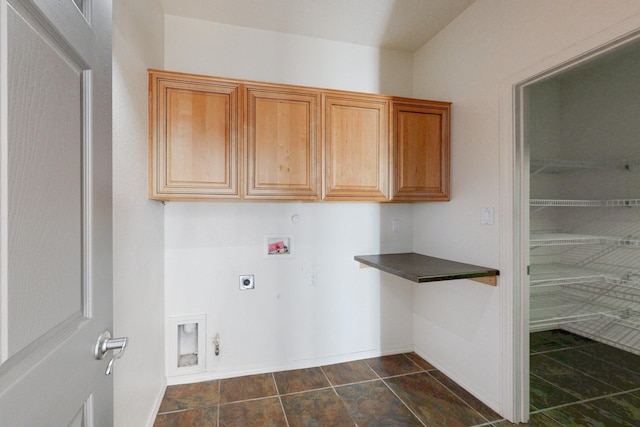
point(627, 318)
point(549, 311)
point(585, 203)
point(561, 274)
point(628, 292)
point(563, 239)
point(623, 202)
point(576, 203)
point(610, 332)
point(559, 165)
point(588, 281)
point(551, 322)
point(603, 299)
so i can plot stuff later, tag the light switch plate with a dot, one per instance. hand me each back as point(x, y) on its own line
point(487, 216)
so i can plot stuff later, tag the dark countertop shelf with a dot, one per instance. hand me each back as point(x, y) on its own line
point(422, 268)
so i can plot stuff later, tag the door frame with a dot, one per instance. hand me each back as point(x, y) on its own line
point(514, 208)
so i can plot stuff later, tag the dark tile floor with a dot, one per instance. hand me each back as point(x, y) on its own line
point(579, 382)
point(574, 382)
point(398, 390)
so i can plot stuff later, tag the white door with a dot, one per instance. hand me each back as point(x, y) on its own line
point(55, 212)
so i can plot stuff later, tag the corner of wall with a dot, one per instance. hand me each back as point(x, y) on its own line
point(138, 223)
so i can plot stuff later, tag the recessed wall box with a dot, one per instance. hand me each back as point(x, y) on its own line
point(187, 352)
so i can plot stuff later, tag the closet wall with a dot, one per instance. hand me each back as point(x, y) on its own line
point(584, 140)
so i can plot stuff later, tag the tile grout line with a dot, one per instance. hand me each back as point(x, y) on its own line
point(460, 398)
point(219, 399)
point(551, 418)
point(337, 395)
point(328, 381)
point(273, 377)
point(579, 371)
point(556, 350)
point(605, 360)
point(403, 402)
point(581, 349)
point(294, 393)
point(591, 399)
point(427, 371)
point(395, 394)
point(569, 392)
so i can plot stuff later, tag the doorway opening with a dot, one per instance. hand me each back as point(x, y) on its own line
point(577, 232)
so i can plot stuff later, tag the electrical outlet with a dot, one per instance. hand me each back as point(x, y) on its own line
point(247, 282)
point(313, 278)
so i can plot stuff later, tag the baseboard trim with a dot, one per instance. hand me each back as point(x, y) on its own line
point(156, 405)
point(462, 382)
point(286, 366)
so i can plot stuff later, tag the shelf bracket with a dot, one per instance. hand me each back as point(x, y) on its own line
point(488, 280)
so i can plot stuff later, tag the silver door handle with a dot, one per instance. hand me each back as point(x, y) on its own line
point(105, 343)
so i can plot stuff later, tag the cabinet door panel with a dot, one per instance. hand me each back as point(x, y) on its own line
point(421, 152)
point(356, 149)
point(194, 138)
point(282, 146)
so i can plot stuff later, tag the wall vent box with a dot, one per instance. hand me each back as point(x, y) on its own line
point(187, 354)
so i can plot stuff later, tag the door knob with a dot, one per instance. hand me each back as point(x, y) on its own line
point(104, 344)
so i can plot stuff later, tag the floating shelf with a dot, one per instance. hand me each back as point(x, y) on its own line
point(422, 268)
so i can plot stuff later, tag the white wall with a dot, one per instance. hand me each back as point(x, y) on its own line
point(473, 63)
point(286, 322)
point(138, 242)
point(202, 47)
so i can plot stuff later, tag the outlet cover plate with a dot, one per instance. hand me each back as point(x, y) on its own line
point(247, 281)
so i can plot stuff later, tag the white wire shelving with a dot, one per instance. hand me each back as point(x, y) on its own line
point(559, 165)
point(563, 294)
point(584, 203)
point(586, 280)
point(550, 311)
point(628, 318)
point(555, 274)
point(570, 292)
point(558, 239)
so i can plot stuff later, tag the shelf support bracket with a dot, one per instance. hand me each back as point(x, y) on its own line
point(488, 280)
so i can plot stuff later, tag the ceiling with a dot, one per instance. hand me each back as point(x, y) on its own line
point(390, 24)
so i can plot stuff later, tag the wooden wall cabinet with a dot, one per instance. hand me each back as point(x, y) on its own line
point(194, 134)
point(356, 147)
point(282, 146)
point(213, 138)
point(421, 150)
